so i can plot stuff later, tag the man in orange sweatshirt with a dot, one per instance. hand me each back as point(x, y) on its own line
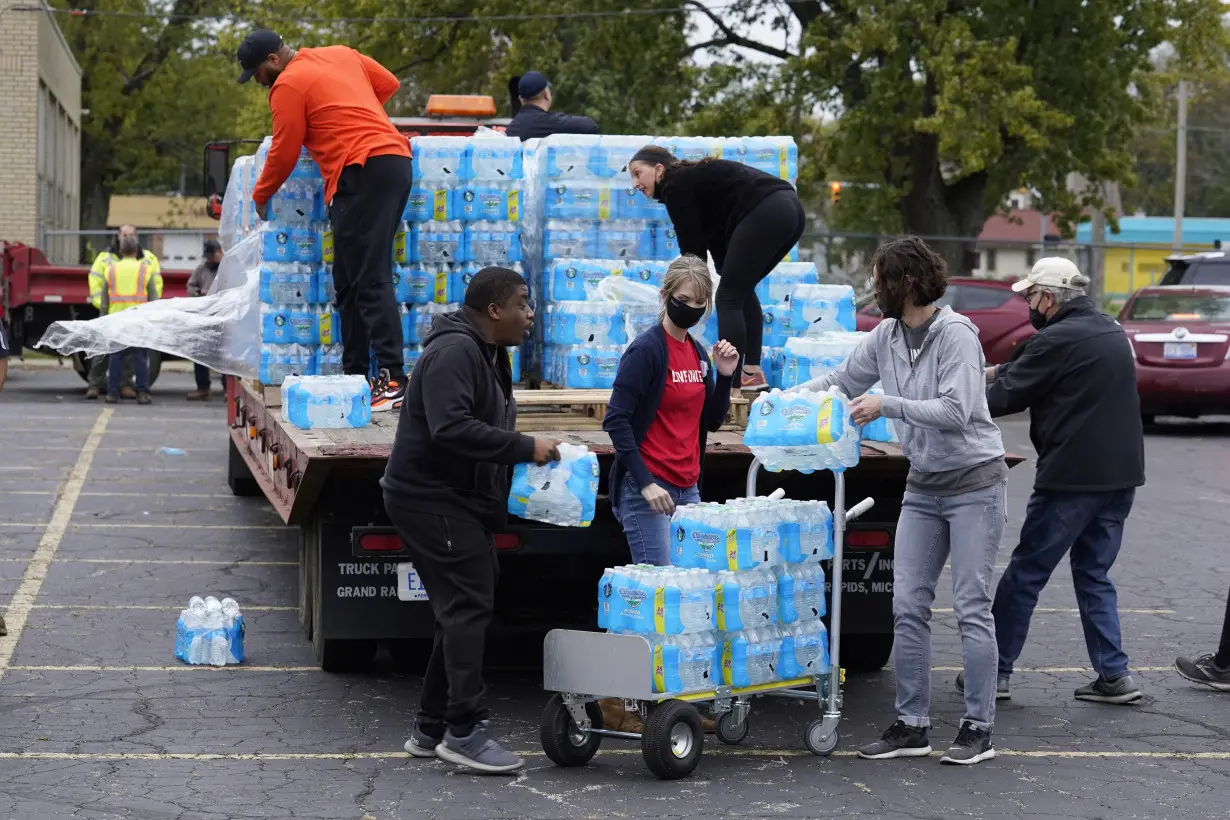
point(331, 100)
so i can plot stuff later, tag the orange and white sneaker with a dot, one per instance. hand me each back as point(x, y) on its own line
point(754, 381)
point(387, 392)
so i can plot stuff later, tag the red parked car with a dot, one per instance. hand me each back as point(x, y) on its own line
point(1181, 339)
point(1001, 316)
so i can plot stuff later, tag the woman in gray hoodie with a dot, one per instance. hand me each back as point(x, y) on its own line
point(931, 367)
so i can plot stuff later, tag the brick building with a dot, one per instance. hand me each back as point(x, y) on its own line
point(40, 137)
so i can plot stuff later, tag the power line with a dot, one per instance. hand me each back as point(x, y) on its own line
point(494, 18)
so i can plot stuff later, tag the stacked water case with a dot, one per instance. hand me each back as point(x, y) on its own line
point(463, 214)
point(585, 223)
point(299, 322)
point(740, 604)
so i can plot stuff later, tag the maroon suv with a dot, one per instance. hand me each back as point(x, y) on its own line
point(1001, 316)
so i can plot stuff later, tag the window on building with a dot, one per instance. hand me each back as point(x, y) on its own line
point(1031, 256)
point(989, 264)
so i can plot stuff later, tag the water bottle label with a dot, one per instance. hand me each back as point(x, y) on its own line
point(326, 245)
point(441, 288)
point(659, 611)
point(326, 328)
point(728, 662)
point(732, 549)
point(783, 169)
point(659, 670)
point(514, 205)
point(720, 594)
point(439, 210)
point(399, 247)
point(604, 204)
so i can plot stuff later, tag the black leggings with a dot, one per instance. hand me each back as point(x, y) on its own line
point(759, 243)
point(1222, 658)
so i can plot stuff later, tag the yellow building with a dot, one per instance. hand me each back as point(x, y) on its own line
point(1136, 256)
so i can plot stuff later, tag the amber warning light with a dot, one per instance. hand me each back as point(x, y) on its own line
point(458, 105)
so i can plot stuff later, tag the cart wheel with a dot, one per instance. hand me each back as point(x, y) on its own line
point(728, 732)
point(815, 741)
point(672, 740)
point(564, 743)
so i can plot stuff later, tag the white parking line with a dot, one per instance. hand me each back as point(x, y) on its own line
point(36, 572)
point(716, 751)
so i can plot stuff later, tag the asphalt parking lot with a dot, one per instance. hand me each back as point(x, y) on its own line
point(103, 539)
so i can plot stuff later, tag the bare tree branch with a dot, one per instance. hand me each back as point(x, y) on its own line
point(730, 37)
point(449, 42)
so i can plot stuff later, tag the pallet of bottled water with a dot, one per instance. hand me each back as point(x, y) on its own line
point(210, 632)
point(563, 493)
point(327, 402)
point(802, 430)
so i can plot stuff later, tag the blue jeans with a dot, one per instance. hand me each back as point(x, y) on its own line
point(649, 533)
point(969, 527)
point(140, 370)
point(1090, 525)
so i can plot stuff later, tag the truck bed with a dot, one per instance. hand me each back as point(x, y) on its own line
point(292, 465)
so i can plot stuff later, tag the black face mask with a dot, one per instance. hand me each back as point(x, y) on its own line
point(684, 316)
point(1037, 318)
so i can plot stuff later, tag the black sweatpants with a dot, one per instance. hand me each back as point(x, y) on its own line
point(1222, 658)
point(759, 243)
point(366, 213)
point(455, 558)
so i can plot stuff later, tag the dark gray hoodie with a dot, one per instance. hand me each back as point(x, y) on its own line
point(938, 403)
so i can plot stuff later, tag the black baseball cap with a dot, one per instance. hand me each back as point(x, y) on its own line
point(211, 246)
point(531, 84)
point(254, 49)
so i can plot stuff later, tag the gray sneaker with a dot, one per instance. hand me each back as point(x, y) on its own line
point(1118, 691)
point(421, 744)
point(971, 746)
point(479, 751)
point(1003, 689)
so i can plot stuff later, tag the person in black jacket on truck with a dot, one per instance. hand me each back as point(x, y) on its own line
point(530, 96)
point(746, 219)
point(1077, 378)
point(446, 491)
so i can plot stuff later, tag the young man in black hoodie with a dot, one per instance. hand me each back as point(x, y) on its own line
point(446, 492)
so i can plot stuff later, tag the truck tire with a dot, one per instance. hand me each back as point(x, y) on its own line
point(335, 655)
point(865, 653)
point(82, 365)
point(238, 475)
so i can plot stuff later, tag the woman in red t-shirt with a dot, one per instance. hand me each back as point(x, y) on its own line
point(665, 400)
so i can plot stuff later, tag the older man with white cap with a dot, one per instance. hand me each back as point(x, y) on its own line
point(1077, 378)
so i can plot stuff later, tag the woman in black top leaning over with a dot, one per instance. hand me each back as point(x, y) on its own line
point(747, 219)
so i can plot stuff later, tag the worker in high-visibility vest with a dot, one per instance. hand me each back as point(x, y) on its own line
point(131, 280)
point(97, 378)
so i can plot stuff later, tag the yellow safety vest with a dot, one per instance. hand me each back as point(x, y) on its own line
point(127, 283)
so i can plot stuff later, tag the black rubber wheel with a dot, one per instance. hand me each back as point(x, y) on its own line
point(307, 533)
point(728, 732)
point(672, 740)
point(865, 653)
point(336, 655)
point(82, 365)
point(818, 745)
point(563, 742)
point(238, 475)
point(155, 366)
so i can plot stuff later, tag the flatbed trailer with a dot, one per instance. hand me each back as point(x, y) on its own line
point(325, 482)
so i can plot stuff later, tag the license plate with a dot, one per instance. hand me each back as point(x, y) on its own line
point(409, 584)
point(1179, 350)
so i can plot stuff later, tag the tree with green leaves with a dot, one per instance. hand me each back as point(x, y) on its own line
point(948, 105)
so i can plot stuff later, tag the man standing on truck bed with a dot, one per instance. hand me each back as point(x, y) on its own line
point(446, 492)
point(1077, 378)
point(125, 238)
point(532, 118)
point(331, 100)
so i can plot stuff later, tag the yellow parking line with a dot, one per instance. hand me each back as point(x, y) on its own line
point(99, 525)
point(127, 495)
point(36, 571)
point(616, 752)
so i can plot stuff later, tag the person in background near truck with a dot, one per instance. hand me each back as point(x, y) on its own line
point(199, 283)
point(331, 100)
point(530, 96)
point(131, 280)
point(446, 491)
point(1077, 378)
point(1211, 670)
point(747, 219)
point(97, 378)
point(668, 396)
point(930, 364)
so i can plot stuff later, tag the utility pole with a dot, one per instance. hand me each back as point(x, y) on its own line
point(1180, 169)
